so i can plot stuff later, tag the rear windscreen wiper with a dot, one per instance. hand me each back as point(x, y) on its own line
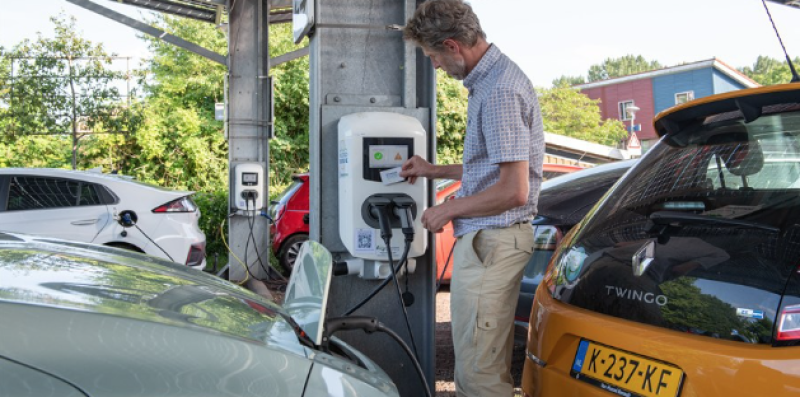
point(676, 218)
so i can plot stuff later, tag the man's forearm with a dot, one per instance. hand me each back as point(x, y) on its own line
point(450, 171)
point(492, 201)
point(510, 191)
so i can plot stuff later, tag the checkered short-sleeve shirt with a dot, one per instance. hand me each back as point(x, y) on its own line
point(504, 124)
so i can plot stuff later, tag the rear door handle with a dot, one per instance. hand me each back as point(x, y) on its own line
point(84, 222)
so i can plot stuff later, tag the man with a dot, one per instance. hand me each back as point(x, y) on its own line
point(501, 175)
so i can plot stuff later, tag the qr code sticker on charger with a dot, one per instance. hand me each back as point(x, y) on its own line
point(365, 240)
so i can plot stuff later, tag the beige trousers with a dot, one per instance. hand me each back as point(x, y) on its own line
point(484, 289)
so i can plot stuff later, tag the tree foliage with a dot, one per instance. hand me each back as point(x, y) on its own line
point(568, 81)
point(60, 86)
point(622, 66)
point(289, 150)
point(451, 121)
point(567, 111)
point(770, 71)
point(179, 143)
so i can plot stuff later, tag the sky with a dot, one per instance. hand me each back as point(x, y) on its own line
point(547, 39)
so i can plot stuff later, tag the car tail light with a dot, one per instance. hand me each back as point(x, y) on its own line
point(183, 204)
point(197, 252)
point(789, 324)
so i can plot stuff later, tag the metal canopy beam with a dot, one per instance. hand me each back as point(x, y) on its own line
point(145, 28)
point(289, 56)
point(790, 3)
point(205, 11)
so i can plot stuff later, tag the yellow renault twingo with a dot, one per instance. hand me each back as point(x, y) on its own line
point(684, 279)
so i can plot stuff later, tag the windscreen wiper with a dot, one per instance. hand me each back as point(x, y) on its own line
point(677, 218)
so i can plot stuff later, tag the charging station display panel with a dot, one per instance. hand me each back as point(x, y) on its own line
point(249, 178)
point(385, 153)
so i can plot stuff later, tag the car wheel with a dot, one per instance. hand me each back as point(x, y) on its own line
point(289, 251)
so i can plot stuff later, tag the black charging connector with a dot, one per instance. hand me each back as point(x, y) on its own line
point(403, 210)
point(250, 195)
point(379, 208)
point(370, 325)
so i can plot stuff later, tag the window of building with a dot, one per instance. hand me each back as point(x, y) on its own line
point(683, 97)
point(623, 110)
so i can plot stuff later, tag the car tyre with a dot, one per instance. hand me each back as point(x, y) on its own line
point(289, 251)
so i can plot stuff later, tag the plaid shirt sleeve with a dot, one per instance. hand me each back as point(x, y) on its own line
point(507, 135)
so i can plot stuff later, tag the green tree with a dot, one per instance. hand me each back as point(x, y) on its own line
point(179, 143)
point(451, 120)
point(770, 71)
point(622, 66)
point(5, 91)
point(60, 86)
point(289, 150)
point(568, 81)
point(567, 111)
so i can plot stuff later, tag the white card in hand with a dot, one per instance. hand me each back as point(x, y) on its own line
point(391, 176)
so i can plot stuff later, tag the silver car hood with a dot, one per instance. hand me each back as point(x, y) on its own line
point(108, 281)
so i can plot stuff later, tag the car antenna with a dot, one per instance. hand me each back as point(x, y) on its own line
point(795, 77)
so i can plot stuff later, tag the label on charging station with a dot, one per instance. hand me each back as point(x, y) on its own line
point(365, 240)
point(344, 161)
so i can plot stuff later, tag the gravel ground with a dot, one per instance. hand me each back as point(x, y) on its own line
point(444, 351)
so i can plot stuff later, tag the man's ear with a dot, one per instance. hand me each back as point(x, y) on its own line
point(451, 46)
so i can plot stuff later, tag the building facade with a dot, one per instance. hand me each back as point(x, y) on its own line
point(655, 91)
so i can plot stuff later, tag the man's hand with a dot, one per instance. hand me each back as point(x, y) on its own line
point(434, 218)
point(416, 167)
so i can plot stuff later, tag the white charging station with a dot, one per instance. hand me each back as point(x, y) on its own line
point(248, 179)
point(369, 143)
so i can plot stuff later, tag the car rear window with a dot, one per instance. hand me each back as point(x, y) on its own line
point(290, 190)
point(701, 237)
point(31, 192)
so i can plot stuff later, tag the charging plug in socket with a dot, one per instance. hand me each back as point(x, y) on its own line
point(250, 195)
point(379, 207)
point(402, 210)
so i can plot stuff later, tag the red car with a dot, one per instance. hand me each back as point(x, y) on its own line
point(289, 214)
point(289, 226)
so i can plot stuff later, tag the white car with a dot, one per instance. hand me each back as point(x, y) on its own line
point(112, 210)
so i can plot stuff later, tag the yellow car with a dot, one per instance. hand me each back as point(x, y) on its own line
point(684, 279)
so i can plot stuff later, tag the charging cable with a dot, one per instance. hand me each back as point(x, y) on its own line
point(384, 283)
point(128, 218)
point(380, 209)
point(402, 210)
point(370, 325)
point(251, 221)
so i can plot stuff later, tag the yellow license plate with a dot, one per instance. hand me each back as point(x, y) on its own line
point(624, 373)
